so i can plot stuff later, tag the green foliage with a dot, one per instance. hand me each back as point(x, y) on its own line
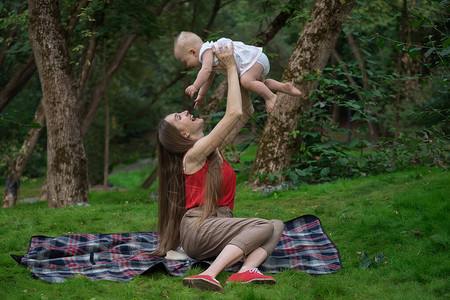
point(328, 149)
point(429, 147)
point(23, 123)
point(323, 154)
point(367, 262)
point(13, 26)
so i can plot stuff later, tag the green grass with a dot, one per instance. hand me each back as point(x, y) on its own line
point(133, 179)
point(370, 214)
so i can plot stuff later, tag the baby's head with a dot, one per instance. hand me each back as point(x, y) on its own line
point(187, 47)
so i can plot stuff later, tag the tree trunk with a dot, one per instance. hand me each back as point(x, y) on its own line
point(17, 167)
point(86, 66)
point(15, 171)
point(149, 181)
point(310, 55)
point(106, 160)
point(67, 178)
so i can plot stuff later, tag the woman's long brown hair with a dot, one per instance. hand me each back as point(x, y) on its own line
point(172, 199)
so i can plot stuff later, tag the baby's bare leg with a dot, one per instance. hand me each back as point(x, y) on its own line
point(250, 81)
point(284, 87)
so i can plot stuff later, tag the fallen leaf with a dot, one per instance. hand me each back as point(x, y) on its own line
point(415, 232)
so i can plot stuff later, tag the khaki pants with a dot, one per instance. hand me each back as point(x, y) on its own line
point(222, 229)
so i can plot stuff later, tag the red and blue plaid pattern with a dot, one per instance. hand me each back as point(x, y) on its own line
point(121, 256)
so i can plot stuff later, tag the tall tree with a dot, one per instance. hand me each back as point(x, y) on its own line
point(66, 167)
point(17, 166)
point(310, 55)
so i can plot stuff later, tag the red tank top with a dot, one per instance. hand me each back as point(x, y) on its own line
point(195, 186)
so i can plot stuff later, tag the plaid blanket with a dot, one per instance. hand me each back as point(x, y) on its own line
point(121, 256)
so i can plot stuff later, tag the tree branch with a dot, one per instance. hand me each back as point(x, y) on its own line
point(24, 71)
point(101, 87)
point(20, 77)
point(263, 37)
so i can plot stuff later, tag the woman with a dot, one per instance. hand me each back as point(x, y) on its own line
point(196, 193)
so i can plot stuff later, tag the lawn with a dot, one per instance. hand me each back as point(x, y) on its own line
point(403, 215)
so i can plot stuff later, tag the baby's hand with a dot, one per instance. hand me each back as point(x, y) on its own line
point(191, 90)
point(199, 101)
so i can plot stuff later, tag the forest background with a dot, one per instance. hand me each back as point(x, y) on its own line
point(379, 104)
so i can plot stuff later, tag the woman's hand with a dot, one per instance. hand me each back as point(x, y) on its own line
point(224, 54)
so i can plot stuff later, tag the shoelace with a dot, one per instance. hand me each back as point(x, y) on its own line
point(214, 279)
point(255, 270)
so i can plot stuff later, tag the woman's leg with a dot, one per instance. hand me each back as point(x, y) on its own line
point(230, 255)
point(260, 254)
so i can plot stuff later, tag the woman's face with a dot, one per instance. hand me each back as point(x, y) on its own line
point(187, 124)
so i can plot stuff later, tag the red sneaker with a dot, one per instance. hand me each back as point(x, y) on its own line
point(251, 276)
point(203, 282)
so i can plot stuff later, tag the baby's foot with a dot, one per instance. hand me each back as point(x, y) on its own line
point(290, 89)
point(270, 103)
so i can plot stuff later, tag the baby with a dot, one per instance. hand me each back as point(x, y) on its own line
point(252, 65)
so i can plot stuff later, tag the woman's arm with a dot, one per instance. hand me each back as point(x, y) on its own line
point(196, 156)
point(248, 111)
